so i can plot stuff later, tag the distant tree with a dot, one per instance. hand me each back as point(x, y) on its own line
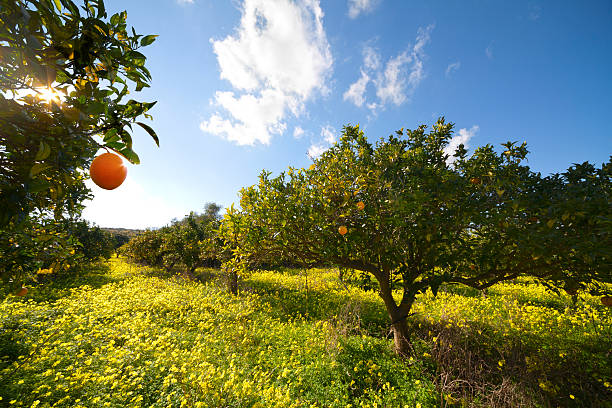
point(65, 76)
point(93, 242)
point(146, 248)
point(189, 242)
point(413, 218)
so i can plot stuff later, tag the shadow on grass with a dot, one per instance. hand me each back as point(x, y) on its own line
point(51, 288)
point(288, 303)
point(477, 365)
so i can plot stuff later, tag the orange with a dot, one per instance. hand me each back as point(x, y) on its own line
point(607, 301)
point(22, 292)
point(342, 230)
point(360, 205)
point(475, 180)
point(108, 171)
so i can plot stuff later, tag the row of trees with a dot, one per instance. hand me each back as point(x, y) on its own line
point(407, 214)
point(189, 243)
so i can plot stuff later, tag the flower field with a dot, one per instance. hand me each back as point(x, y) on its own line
point(127, 336)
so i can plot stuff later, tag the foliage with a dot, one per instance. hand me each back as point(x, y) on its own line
point(52, 249)
point(190, 242)
point(94, 243)
point(122, 337)
point(65, 73)
point(417, 218)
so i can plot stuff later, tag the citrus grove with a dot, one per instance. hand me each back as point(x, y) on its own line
point(388, 273)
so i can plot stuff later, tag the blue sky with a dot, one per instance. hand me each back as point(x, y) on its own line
point(246, 85)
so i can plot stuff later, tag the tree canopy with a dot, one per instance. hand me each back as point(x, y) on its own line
point(417, 218)
point(66, 73)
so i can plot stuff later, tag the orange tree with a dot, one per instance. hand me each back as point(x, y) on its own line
point(414, 220)
point(65, 77)
point(190, 242)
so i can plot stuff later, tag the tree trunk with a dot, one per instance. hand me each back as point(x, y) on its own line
point(232, 282)
point(401, 337)
point(398, 316)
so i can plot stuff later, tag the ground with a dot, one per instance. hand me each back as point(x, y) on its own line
point(122, 335)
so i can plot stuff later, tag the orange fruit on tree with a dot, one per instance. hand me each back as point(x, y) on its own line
point(108, 171)
point(22, 292)
point(475, 180)
point(360, 205)
point(607, 301)
point(342, 230)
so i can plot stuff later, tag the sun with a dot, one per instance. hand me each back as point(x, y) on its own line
point(48, 95)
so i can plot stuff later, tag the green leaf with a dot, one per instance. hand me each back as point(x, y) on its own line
point(117, 145)
point(37, 168)
point(130, 155)
point(126, 137)
point(43, 151)
point(150, 131)
point(58, 4)
point(115, 19)
point(147, 40)
point(111, 136)
point(96, 108)
point(39, 185)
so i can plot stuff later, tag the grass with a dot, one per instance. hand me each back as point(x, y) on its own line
point(121, 335)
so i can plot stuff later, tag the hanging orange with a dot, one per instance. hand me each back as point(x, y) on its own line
point(22, 292)
point(360, 205)
point(342, 230)
point(108, 171)
point(606, 301)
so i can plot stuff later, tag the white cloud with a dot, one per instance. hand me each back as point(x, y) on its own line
point(129, 206)
point(395, 83)
point(357, 7)
point(452, 68)
point(328, 134)
point(462, 137)
point(371, 59)
point(278, 58)
point(315, 150)
point(185, 1)
point(391, 84)
point(356, 92)
point(298, 132)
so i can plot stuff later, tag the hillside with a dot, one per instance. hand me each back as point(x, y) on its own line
point(130, 233)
